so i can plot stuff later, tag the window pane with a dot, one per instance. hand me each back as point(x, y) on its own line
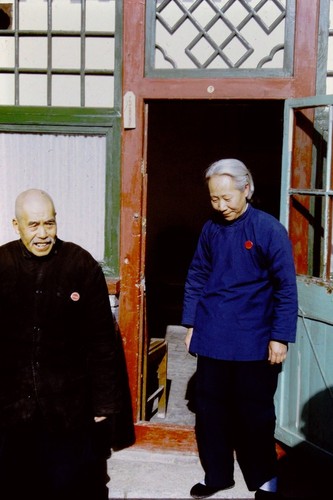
point(72, 95)
point(66, 53)
point(307, 231)
point(100, 15)
point(100, 53)
point(66, 15)
point(33, 15)
point(99, 91)
point(7, 94)
point(310, 134)
point(33, 52)
point(7, 53)
point(33, 90)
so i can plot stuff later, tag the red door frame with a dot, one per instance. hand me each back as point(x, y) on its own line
point(302, 83)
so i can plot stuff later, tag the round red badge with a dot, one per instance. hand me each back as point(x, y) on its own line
point(75, 296)
point(248, 244)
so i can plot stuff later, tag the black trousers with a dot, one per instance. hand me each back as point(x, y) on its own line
point(235, 414)
point(45, 465)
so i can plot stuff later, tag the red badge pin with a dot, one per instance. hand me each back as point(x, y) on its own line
point(248, 245)
point(75, 296)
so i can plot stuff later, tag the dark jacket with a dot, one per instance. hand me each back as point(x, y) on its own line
point(240, 290)
point(57, 338)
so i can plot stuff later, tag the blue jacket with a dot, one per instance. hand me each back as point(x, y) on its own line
point(240, 290)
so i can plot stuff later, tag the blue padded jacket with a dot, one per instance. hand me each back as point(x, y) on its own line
point(240, 290)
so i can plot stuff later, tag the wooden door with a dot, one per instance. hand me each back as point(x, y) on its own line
point(305, 395)
point(147, 84)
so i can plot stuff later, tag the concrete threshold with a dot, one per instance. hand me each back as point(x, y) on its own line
point(142, 474)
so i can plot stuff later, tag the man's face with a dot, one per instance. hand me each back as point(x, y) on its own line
point(37, 226)
point(225, 199)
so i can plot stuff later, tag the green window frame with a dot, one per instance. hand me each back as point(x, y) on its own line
point(83, 120)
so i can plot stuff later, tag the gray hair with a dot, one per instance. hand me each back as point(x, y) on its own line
point(235, 169)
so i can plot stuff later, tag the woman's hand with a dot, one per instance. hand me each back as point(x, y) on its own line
point(188, 338)
point(277, 352)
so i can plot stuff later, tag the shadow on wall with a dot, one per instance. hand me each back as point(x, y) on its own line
point(306, 469)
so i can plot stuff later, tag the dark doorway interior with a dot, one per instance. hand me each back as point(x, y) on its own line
point(184, 138)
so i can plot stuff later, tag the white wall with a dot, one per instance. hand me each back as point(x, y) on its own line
point(71, 168)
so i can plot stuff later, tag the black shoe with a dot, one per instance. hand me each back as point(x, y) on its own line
point(267, 495)
point(200, 490)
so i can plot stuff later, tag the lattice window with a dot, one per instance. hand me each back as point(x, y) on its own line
point(57, 52)
point(222, 36)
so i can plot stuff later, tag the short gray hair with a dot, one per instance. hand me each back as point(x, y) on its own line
point(235, 169)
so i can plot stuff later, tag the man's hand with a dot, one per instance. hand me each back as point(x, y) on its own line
point(99, 419)
point(277, 352)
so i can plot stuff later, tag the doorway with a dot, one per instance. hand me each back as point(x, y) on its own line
point(184, 138)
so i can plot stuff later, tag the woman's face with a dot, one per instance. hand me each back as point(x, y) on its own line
point(225, 198)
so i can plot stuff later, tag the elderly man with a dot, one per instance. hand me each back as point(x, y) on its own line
point(240, 307)
point(59, 389)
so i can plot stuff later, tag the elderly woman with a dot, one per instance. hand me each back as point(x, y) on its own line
point(240, 307)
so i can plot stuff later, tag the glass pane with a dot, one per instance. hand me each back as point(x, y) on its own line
point(100, 15)
point(307, 215)
point(33, 52)
point(72, 95)
point(309, 161)
point(7, 94)
point(7, 52)
point(99, 91)
point(66, 15)
point(100, 53)
point(66, 52)
point(33, 90)
point(32, 15)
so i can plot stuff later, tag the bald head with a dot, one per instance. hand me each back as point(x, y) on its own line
point(32, 198)
point(35, 221)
